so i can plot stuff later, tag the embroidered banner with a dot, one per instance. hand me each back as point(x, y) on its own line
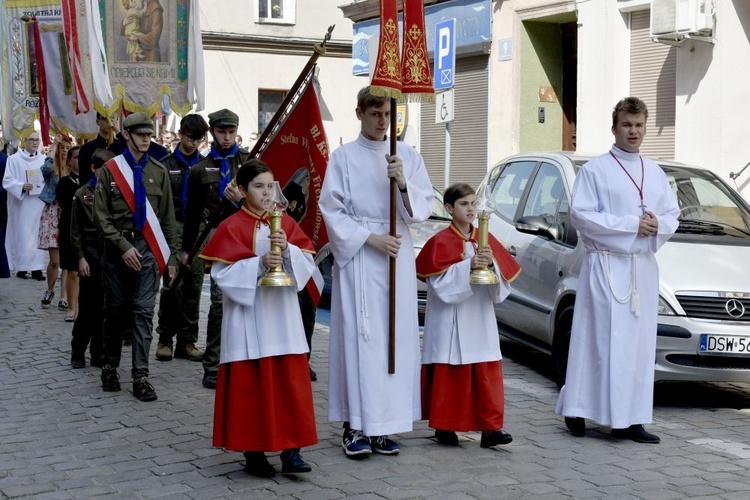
point(152, 49)
point(298, 156)
point(386, 79)
point(19, 84)
point(416, 78)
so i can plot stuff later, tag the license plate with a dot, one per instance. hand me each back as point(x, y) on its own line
point(727, 344)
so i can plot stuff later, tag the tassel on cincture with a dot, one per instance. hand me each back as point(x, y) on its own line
point(635, 304)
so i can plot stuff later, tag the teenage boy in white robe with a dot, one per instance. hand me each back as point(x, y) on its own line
point(625, 210)
point(462, 374)
point(355, 205)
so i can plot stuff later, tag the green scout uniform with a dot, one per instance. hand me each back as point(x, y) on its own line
point(86, 244)
point(130, 296)
point(179, 309)
point(203, 198)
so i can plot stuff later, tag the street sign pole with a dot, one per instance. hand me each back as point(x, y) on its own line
point(447, 174)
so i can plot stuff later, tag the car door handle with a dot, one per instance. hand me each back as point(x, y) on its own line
point(512, 250)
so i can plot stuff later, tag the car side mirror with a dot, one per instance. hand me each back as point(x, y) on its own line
point(538, 226)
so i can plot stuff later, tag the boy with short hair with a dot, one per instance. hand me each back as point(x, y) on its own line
point(87, 247)
point(462, 375)
point(355, 205)
point(209, 181)
point(179, 308)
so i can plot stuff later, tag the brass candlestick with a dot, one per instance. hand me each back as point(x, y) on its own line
point(483, 275)
point(276, 276)
point(485, 205)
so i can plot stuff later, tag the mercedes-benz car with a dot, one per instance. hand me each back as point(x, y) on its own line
point(704, 289)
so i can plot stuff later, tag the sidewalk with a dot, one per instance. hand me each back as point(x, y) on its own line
point(62, 437)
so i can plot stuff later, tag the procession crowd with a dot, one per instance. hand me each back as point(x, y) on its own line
point(120, 217)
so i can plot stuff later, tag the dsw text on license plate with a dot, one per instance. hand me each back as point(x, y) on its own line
point(730, 344)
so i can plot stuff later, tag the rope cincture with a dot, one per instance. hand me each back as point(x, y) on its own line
point(632, 294)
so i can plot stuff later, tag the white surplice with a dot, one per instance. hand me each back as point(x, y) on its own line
point(460, 326)
point(24, 212)
point(261, 321)
point(610, 377)
point(355, 203)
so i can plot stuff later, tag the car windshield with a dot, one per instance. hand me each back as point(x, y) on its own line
point(707, 206)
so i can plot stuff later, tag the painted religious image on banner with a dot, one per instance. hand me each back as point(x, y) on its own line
point(140, 24)
point(297, 191)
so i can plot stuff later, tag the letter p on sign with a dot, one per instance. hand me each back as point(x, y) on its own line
point(445, 54)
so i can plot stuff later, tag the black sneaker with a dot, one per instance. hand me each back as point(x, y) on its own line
point(292, 463)
point(446, 437)
point(110, 379)
point(355, 444)
point(47, 298)
point(143, 390)
point(257, 464)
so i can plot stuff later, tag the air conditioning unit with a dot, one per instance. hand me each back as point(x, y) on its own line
point(677, 18)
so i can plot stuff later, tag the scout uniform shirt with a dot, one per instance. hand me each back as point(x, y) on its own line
point(83, 229)
point(204, 196)
point(113, 215)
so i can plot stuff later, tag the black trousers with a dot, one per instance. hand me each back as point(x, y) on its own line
point(90, 319)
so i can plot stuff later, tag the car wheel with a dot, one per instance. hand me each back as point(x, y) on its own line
point(561, 343)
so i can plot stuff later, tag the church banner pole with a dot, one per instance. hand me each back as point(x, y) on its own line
point(265, 138)
point(392, 260)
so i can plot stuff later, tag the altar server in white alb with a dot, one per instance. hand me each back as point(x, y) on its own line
point(462, 375)
point(264, 398)
point(624, 210)
point(355, 205)
point(22, 172)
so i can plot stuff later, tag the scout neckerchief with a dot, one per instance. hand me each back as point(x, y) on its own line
point(226, 167)
point(139, 190)
point(123, 175)
point(185, 162)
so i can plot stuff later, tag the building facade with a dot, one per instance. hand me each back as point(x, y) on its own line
point(255, 50)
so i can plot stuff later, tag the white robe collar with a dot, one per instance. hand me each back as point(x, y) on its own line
point(376, 145)
point(625, 155)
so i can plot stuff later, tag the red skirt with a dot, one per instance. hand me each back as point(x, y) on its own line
point(463, 397)
point(264, 404)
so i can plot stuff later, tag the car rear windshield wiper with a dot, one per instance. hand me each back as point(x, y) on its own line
point(696, 226)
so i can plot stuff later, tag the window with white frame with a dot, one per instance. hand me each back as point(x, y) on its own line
point(276, 11)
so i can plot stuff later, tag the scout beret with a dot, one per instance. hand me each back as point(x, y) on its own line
point(138, 123)
point(223, 118)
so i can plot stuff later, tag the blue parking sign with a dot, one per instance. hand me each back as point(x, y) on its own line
point(445, 54)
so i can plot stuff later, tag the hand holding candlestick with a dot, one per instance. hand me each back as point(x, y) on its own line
point(276, 276)
point(485, 205)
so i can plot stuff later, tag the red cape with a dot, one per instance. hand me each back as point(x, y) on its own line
point(447, 248)
point(234, 239)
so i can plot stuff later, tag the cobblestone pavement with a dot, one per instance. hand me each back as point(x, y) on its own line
point(62, 437)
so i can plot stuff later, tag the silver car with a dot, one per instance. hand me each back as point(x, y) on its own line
point(704, 290)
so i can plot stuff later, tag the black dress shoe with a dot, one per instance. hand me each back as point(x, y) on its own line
point(257, 464)
point(37, 275)
point(209, 380)
point(576, 426)
point(77, 361)
point(446, 437)
point(313, 375)
point(23, 275)
point(292, 463)
point(637, 433)
point(494, 438)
